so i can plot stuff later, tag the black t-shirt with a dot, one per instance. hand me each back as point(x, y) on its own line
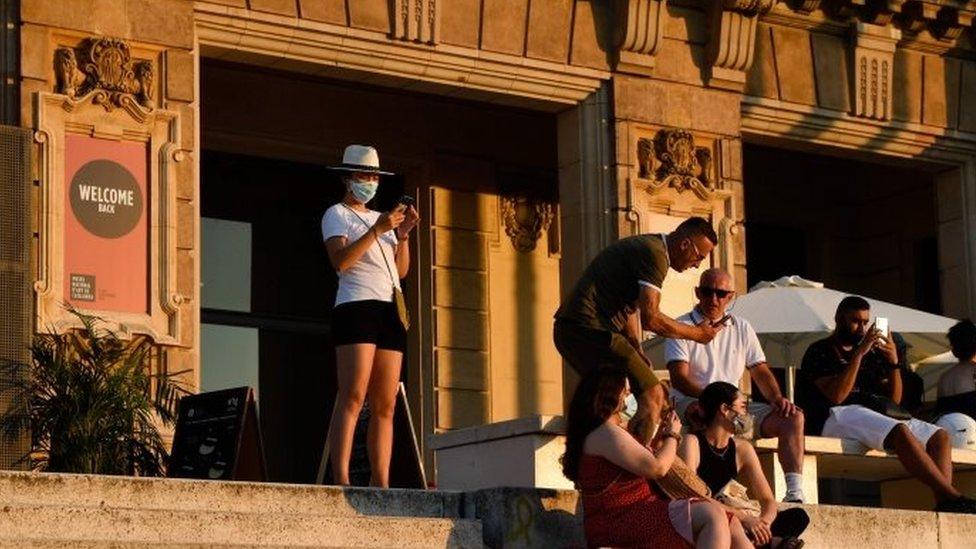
point(826, 358)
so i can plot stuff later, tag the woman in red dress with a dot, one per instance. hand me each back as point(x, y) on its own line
point(611, 469)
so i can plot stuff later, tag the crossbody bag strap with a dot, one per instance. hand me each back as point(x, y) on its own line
point(383, 253)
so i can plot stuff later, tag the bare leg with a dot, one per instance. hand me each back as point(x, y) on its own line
point(939, 449)
point(912, 455)
point(649, 405)
point(789, 431)
point(709, 526)
point(382, 398)
point(739, 538)
point(353, 364)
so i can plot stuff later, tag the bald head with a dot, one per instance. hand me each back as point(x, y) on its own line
point(716, 278)
point(714, 292)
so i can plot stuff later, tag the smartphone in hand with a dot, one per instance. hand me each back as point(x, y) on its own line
point(881, 324)
point(721, 321)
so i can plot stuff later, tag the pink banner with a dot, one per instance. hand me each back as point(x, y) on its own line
point(106, 230)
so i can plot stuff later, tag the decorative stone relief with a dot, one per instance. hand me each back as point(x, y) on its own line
point(945, 21)
point(104, 66)
point(673, 160)
point(525, 219)
point(733, 40)
point(639, 32)
point(874, 52)
point(805, 7)
point(416, 20)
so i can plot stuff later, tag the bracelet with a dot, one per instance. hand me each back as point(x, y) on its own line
point(401, 239)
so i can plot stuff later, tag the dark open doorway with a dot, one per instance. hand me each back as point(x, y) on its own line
point(860, 227)
point(268, 295)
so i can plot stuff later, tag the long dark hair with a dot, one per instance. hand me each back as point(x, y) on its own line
point(714, 396)
point(595, 400)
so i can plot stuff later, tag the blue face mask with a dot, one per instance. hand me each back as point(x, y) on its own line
point(363, 190)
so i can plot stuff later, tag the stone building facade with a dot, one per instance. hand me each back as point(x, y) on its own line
point(533, 133)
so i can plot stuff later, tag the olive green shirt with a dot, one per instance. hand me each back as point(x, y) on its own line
point(609, 289)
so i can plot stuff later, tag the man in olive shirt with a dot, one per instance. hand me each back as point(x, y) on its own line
point(600, 323)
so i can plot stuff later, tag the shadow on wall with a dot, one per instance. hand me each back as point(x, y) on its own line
point(527, 517)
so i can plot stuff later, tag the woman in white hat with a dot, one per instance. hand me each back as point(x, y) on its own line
point(370, 252)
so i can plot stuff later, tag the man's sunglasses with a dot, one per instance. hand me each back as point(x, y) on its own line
point(709, 292)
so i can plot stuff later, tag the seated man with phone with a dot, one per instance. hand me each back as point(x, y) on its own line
point(693, 366)
point(850, 386)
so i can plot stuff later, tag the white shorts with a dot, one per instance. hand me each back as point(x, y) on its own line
point(871, 428)
point(758, 410)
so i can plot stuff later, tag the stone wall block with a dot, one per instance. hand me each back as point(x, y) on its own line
point(589, 43)
point(907, 92)
point(549, 30)
point(953, 77)
point(761, 77)
point(370, 15)
point(967, 97)
point(179, 75)
point(278, 7)
point(35, 52)
point(503, 25)
point(327, 11)
point(459, 408)
point(794, 63)
point(77, 15)
point(188, 116)
point(934, 100)
point(166, 22)
point(461, 22)
point(462, 369)
point(28, 87)
point(830, 63)
point(185, 180)
point(186, 274)
point(460, 329)
point(461, 288)
point(186, 221)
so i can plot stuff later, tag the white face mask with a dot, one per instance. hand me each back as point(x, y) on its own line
point(629, 409)
point(742, 423)
point(362, 190)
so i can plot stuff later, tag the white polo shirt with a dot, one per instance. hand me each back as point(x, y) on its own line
point(725, 358)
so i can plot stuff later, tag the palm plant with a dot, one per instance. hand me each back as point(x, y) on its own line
point(91, 403)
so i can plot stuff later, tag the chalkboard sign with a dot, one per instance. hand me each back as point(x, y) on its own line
point(406, 465)
point(217, 437)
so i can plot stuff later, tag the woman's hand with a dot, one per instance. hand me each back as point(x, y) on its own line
point(411, 217)
point(670, 423)
point(757, 529)
point(388, 221)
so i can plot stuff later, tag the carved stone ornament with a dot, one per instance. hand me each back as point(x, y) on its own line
point(874, 53)
point(639, 33)
point(673, 161)
point(104, 66)
point(944, 20)
point(732, 43)
point(525, 219)
point(417, 20)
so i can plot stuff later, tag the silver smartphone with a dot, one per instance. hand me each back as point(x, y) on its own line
point(881, 324)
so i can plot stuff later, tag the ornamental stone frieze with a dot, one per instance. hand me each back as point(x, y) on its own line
point(638, 34)
point(672, 160)
point(104, 66)
point(525, 219)
point(732, 40)
point(945, 20)
point(417, 20)
point(873, 67)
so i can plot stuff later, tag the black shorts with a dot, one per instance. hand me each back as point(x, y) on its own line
point(368, 321)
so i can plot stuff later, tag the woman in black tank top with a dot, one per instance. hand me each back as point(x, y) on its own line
point(719, 457)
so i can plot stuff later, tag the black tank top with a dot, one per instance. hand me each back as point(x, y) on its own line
point(716, 467)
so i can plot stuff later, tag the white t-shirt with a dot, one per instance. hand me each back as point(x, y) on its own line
point(368, 278)
point(725, 358)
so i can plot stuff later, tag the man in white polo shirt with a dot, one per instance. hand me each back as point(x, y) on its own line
point(733, 351)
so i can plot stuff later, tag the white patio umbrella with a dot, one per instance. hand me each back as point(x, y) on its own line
point(790, 313)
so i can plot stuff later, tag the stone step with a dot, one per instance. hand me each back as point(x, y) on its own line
point(50, 525)
point(200, 495)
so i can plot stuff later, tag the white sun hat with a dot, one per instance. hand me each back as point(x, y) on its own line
point(360, 158)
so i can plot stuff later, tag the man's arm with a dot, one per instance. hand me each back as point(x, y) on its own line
point(652, 319)
point(681, 380)
point(838, 387)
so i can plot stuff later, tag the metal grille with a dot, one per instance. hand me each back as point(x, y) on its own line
point(15, 278)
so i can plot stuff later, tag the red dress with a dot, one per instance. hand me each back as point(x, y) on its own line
point(621, 510)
